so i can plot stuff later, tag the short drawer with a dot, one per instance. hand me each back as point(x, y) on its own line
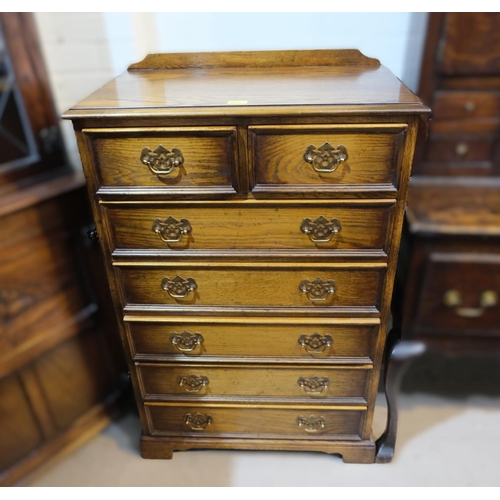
point(178, 229)
point(217, 284)
point(460, 293)
point(329, 158)
point(170, 160)
point(239, 421)
point(252, 338)
point(463, 148)
point(159, 380)
point(452, 105)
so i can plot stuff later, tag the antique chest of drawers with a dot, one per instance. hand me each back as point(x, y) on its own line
point(249, 207)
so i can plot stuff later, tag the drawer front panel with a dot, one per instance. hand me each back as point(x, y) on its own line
point(298, 423)
point(459, 295)
point(467, 148)
point(219, 380)
point(240, 286)
point(450, 105)
point(282, 155)
point(208, 157)
point(202, 340)
point(177, 228)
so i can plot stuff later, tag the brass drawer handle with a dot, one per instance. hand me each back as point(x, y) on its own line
point(171, 230)
point(178, 287)
point(313, 385)
point(161, 161)
point(197, 421)
point(193, 383)
point(317, 290)
point(488, 298)
point(326, 158)
point(315, 343)
point(320, 230)
point(469, 106)
point(311, 423)
point(186, 341)
point(462, 149)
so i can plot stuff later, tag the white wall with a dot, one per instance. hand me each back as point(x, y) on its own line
point(83, 51)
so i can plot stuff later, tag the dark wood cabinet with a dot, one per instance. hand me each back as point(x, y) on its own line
point(447, 296)
point(59, 362)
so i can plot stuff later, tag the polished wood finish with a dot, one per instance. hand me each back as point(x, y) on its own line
point(277, 156)
point(58, 363)
point(158, 380)
point(209, 157)
point(258, 339)
point(253, 291)
point(246, 286)
point(254, 228)
point(231, 421)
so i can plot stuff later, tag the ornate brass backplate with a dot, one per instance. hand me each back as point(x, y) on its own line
point(161, 161)
point(320, 230)
point(326, 158)
point(171, 230)
point(317, 290)
point(178, 287)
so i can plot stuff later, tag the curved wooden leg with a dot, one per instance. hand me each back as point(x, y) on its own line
point(400, 354)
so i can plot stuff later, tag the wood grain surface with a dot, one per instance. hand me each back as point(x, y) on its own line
point(159, 381)
point(247, 227)
point(209, 156)
point(167, 420)
point(244, 339)
point(240, 286)
point(277, 154)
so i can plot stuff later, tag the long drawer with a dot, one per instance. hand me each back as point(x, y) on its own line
point(175, 228)
point(289, 338)
point(218, 284)
point(240, 421)
point(159, 380)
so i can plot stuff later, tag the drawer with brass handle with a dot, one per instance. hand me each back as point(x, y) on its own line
point(460, 293)
point(162, 380)
point(174, 229)
point(233, 338)
point(184, 160)
point(167, 419)
point(243, 285)
point(325, 158)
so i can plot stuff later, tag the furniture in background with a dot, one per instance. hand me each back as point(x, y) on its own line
point(58, 354)
point(250, 206)
point(450, 266)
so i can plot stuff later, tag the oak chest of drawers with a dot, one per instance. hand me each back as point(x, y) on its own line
point(249, 207)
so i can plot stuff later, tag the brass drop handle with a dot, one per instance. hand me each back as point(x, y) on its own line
point(318, 289)
point(179, 288)
point(487, 299)
point(161, 161)
point(315, 343)
point(462, 149)
point(193, 383)
point(198, 421)
point(171, 230)
point(186, 341)
point(326, 158)
point(313, 385)
point(320, 230)
point(311, 423)
point(469, 106)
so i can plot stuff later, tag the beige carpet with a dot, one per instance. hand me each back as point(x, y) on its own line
point(449, 435)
